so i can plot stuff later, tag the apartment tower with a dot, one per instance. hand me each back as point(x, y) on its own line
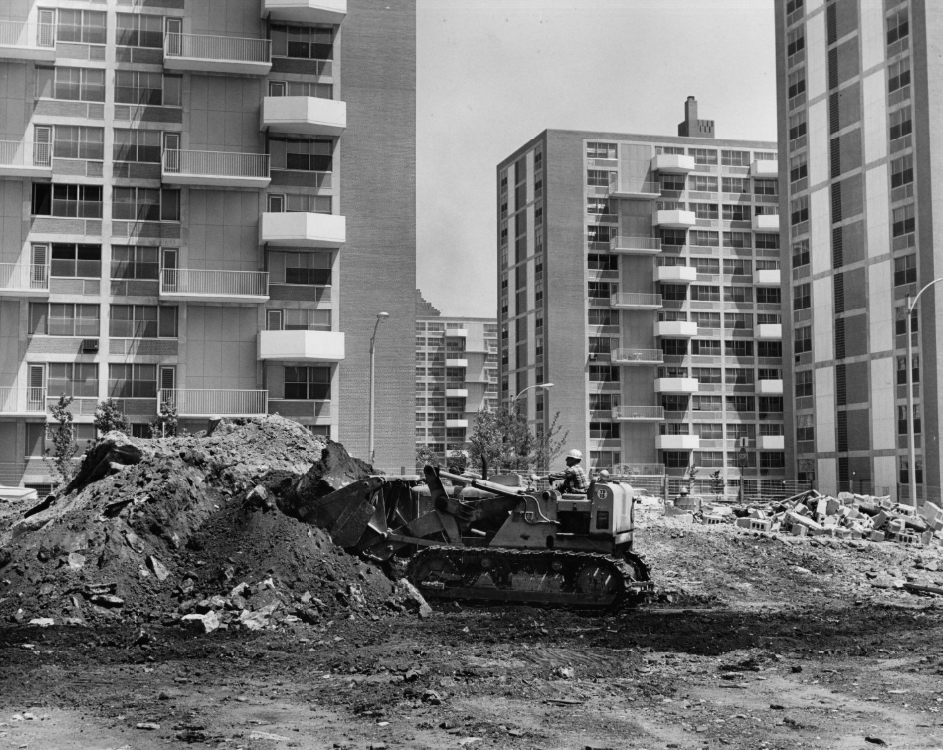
point(206, 203)
point(856, 111)
point(641, 276)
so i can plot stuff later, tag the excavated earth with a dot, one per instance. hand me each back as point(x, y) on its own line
point(753, 641)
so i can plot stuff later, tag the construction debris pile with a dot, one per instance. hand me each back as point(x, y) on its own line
point(848, 516)
point(188, 531)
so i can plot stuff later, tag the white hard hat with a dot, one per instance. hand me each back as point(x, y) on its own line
point(575, 454)
point(604, 475)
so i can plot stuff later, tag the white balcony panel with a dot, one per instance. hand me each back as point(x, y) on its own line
point(674, 219)
point(19, 159)
point(676, 329)
point(23, 280)
point(771, 442)
point(195, 285)
point(306, 11)
point(459, 333)
point(769, 332)
point(767, 277)
point(217, 54)
point(304, 115)
point(21, 42)
point(22, 402)
point(456, 423)
point(307, 346)
point(676, 386)
point(220, 402)
point(677, 442)
point(765, 168)
point(456, 392)
point(621, 186)
point(766, 222)
point(635, 245)
point(215, 169)
point(673, 163)
point(639, 413)
point(675, 274)
point(456, 362)
point(637, 356)
point(769, 387)
point(635, 301)
point(300, 229)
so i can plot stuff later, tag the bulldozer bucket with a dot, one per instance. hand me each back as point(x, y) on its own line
point(346, 513)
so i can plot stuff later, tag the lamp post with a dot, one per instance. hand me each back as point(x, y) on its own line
point(536, 385)
point(373, 340)
point(911, 448)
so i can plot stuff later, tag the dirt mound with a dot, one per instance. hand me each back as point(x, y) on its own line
point(187, 529)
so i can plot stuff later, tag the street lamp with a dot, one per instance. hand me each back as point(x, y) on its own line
point(373, 341)
point(536, 385)
point(911, 449)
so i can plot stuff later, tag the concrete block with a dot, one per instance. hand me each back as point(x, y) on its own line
point(799, 530)
point(876, 536)
point(801, 509)
point(930, 511)
point(905, 510)
point(831, 506)
point(743, 523)
point(712, 520)
point(758, 524)
point(855, 534)
point(821, 507)
point(795, 518)
point(926, 537)
point(842, 533)
point(895, 526)
point(937, 525)
point(881, 519)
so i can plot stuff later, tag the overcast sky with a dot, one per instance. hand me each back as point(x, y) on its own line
point(492, 74)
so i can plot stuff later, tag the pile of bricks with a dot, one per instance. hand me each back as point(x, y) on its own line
point(845, 517)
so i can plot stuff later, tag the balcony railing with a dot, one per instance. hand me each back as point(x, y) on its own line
point(24, 154)
point(216, 167)
point(637, 356)
point(22, 400)
point(193, 283)
point(218, 49)
point(636, 301)
point(639, 413)
point(209, 402)
point(21, 278)
point(635, 245)
point(28, 36)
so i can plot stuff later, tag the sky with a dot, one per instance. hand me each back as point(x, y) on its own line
point(492, 74)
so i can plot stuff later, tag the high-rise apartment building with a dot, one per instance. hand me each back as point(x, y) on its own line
point(206, 203)
point(857, 112)
point(641, 276)
point(456, 376)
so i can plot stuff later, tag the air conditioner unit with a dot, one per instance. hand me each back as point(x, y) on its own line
point(89, 345)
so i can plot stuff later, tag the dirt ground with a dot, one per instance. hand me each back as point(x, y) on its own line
point(761, 642)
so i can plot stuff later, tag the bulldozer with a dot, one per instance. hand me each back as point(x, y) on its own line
point(499, 541)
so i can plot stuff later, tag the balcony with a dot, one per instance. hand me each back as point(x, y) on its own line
point(19, 159)
point(20, 42)
point(456, 362)
point(305, 11)
point(767, 277)
point(768, 332)
point(637, 356)
point(639, 413)
point(217, 54)
point(456, 333)
point(304, 115)
point(306, 346)
point(456, 423)
point(634, 301)
point(764, 168)
point(23, 280)
point(674, 219)
point(675, 274)
point(771, 442)
point(676, 329)
point(635, 245)
point(677, 442)
point(769, 387)
point(215, 169)
point(300, 229)
point(456, 393)
point(192, 285)
point(218, 402)
point(633, 190)
point(22, 402)
point(765, 222)
point(676, 386)
point(672, 163)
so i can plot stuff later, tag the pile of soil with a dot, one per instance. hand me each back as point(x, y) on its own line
point(156, 530)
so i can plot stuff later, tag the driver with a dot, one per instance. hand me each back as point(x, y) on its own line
point(574, 478)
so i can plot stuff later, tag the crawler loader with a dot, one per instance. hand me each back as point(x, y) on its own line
point(497, 541)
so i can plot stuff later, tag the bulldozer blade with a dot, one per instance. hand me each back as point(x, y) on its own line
point(345, 513)
point(436, 489)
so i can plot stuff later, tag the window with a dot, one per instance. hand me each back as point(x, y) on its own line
point(76, 261)
point(141, 87)
point(706, 319)
point(740, 321)
point(736, 212)
point(81, 26)
point(798, 167)
point(741, 403)
point(900, 325)
point(313, 90)
point(735, 184)
point(76, 379)
point(793, 5)
point(798, 126)
point(600, 345)
point(902, 370)
point(775, 460)
point(604, 430)
point(604, 459)
point(676, 459)
point(741, 294)
point(803, 340)
point(311, 155)
point(704, 210)
point(63, 319)
point(146, 204)
point(600, 233)
point(598, 150)
point(902, 419)
point(309, 269)
point(706, 403)
point(769, 295)
point(766, 241)
point(72, 84)
point(705, 293)
point(738, 267)
point(802, 297)
point(672, 371)
point(597, 177)
point(901, 123)
point(905, 270)
point(602, 262)
point(795, 41)
point(805, 427)
point(674, 347)
point(603, 374)
point(796, 84)
point(78, 142)
point(737, 239)
point(672, 182)
point(904, 222)
point(703, 238)
point(139, 30)
point(738, 348)
point(771, 349)
point(307, 319)
point(306, 42)
point(706, 374)
point(137, 145)
point(143, 322)
point(735, 158)
point(75, 201)
point(704, 156)
point(706, 347)
point(129, 262)
point(702, 184)
point(898, 75)
point(308, 383)
point(674, 403)
point(603, 401)
point(292, 203)
point(765, 187)
point(800, 210)
point(674, 237)
point(598, 206)
point(902, 171)
point(770, 404)
point(800, 254)
point(897, 26)
point(710, 459)
point(132, 381)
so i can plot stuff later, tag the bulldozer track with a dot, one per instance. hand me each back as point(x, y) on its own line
point(577, 580)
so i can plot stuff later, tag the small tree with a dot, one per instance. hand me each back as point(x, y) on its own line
point(691, 475)
point(166, 423)
point(717, 483)
point(503, 441)
point(109, 417)
point(549, 445)
point(64, 445)
point(425, 455)
point(457, 461)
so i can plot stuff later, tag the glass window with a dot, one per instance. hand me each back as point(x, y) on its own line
point(803, 340)
point(308, 383)
point(143, 321)
point(735, 158)
point(305, 42)
point(79, 380)
point(144, 88)
point(800, 254)
point(904, 221)
point(901, 123)
point(146, 204)
point(798, 125)
point(302, 88)
point(898, 75)
point(129, 262)
point(905, 270)
point(704, 210)
point(132, 381)
point(902, 171)
point(137, 145)
point(702, 183)
point(82, 26)
point(599, 317)
point(736, 212)
point(735, 185)
point(140, 30)
point(796, 83)
point(898, 25)
point(63, 319)
point(704, 156)
point(74, 142)
point(72, 84)
point(702, 238)
point(308, 154)
point(76, 261)
point(598, 150)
